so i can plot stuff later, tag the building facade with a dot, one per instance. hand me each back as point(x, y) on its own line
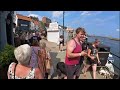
point(46, 21)
point(54, 31)
point(23, 23)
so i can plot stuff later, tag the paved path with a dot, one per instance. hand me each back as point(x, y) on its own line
point(60, 57)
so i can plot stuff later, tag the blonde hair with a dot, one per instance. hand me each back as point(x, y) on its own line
point(42, 45)
point(23, 54)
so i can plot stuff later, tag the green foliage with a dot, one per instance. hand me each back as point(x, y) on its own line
point(42, 25)
point(7, 55)
point(34, 18)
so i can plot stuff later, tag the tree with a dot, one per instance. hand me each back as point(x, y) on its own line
point(42, 25)
point(34, 18)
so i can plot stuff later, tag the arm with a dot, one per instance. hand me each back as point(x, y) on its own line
point(38, 74)
point(89, 54)
point(98, 58)
point(70, 47)
point(48, 55)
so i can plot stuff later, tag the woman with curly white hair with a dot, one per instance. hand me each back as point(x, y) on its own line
point(22, 70)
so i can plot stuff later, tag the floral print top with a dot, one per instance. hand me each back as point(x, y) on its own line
point(31, 74)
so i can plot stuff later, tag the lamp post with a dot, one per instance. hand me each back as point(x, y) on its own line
point(63, 26)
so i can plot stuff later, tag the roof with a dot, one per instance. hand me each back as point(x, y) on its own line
point(24, 17)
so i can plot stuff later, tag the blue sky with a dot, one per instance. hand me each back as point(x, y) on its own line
point(100, 23)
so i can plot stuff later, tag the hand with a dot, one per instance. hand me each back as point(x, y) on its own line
point(83, 53)
point(99, 62)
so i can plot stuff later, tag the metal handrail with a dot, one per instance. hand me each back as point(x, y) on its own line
point(114, 64)
point(115, 55)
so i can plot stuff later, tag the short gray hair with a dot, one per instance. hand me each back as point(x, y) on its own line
point(23, 54)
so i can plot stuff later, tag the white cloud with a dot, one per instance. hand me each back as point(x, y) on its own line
point(118, 30)
point(87, 13)
point(57, 14)
point(35, 15)
point(29, 12)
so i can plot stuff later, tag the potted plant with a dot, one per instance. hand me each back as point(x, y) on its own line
point(6, 57)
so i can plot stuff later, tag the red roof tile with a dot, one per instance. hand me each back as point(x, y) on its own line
point(24, 17)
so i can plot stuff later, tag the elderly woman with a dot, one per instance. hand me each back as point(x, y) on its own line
point(22, 70)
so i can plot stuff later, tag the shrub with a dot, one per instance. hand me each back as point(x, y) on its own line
point(7, 55)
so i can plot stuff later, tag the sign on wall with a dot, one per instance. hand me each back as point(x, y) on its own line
point(24, 25)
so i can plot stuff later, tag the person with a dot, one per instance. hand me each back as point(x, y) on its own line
point(85, 48)
point(30, 35)
point(22, 38)
point(22, 70)
point(27, 38)
point(92, 58)
point(45, 58)
point(34, 62)
point(73, 54)
point(35, 37)
point(17, 40)
point(61, 42)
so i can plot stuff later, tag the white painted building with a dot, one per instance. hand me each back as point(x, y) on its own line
point(54, 31)
point(32, 25)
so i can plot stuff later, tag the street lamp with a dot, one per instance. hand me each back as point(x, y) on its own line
point(63, 26)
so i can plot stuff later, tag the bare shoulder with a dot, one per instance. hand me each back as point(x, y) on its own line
point(71, 43)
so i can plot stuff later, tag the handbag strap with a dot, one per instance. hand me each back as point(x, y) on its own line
point(15, 70)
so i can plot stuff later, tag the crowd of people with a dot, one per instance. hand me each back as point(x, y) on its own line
point(78, 52)
point(34, 60)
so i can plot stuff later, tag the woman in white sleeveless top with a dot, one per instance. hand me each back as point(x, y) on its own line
point(22, 70)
